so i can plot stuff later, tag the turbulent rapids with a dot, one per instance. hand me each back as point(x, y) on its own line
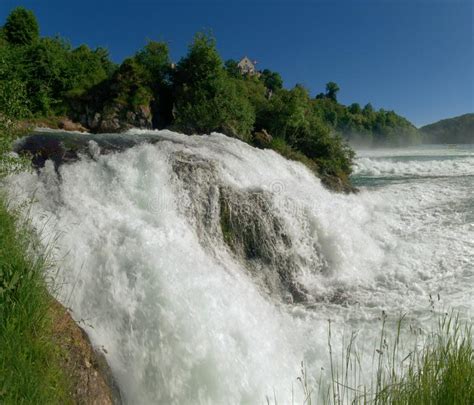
point(207, 269)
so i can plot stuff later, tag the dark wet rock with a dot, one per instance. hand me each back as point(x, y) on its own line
point(253, 231)
point(229, 130)
point(119, 118)
point(68, 125)
point(246, 221)
point(262, 139)
point(68, 147)
point(338, 184)
point(114, 118)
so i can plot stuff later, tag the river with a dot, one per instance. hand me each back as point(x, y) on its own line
point(143, 259)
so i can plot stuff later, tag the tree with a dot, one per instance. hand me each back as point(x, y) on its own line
point(155, 60)
point(257, 94)
point(13, 106)
point(302, 124)
point(232, 68)
point(21, 27)
point(206, 98)
point(48, 73)
point(107, 64)
point(289, 115)
point(156, 66)
point(285, 115)
point(85, 69)
point(272, 80)
point(331, 90)
point(368, 109)
point(354, 108)
point(128, 86)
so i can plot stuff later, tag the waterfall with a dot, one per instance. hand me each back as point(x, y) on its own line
point(206, 269)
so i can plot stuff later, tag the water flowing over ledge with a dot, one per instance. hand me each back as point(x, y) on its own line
point(208, 269)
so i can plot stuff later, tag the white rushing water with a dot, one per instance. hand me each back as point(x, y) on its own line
point(184, 319)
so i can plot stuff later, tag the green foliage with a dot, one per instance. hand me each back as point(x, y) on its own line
point(156, 67)
point(30, 362)
point(331, 91)
point(320, 96)
point(256, 93)
point(279, 145)
point(102, 55)
point(44, 68)
point(30, 370)
point(383, 128)
point(368, 109)
point(86, 68)
point(199, 87)
point(52, 72)
point(128, 84)
point(13, 106)
point(155, 61)
point(21, 27)
point(13, 100)
point(435, 369)
point(272, 80)
point(441, 372)
point(290, 115)
point(200, 95)
point(354, 108)
point(206, 98)
point(332, 154)
point(201, 64)
point(232, 68)
point(329, 111)
point(238, 112)
point(366, 126)
point(453, 130)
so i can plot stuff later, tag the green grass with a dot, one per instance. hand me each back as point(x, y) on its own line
point(30, 371)
point(440, 372)
point(31, 359)
point(436, 369)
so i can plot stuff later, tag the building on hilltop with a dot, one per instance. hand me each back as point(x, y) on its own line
point(247, 67)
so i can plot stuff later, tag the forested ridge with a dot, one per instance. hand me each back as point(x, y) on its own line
point(452, 130)
point(199, 94)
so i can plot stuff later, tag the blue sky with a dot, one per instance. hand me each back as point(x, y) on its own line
point(413, 56)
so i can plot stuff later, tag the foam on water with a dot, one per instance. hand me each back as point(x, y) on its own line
point(419, 151)
point(184, 322)
point(414, 167)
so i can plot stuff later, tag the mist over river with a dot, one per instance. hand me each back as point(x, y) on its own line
point(208, 269)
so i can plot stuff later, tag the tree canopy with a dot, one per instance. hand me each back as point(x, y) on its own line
point(21, 27)
point(331, 90)
point(206, 98)
point(272, 80)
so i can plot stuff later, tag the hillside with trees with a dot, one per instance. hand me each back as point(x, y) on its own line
point(452, 130)
point(200, 94)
